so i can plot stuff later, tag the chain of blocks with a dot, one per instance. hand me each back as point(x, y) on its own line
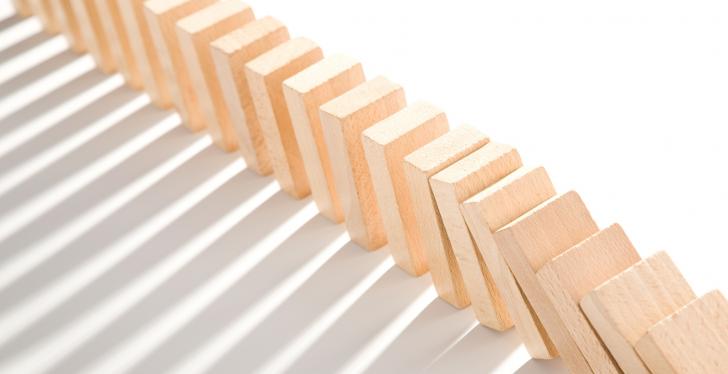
point(494, 233)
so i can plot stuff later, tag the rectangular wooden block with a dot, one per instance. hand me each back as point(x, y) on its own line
point(451, 187)
point(45, 11)
point(230, 53)
point(419, 166)
point(69, 24)
point(144, 52)
point(572, 274)
point(385, 145)
point(94, 34)
point(622, 309)
point(195, 33)
point(485, 213)
point(693, 340)
point(162, 15)
point(119, 40)
point(23, 8)
point(344, 119)
point(265, 76)
point(305, 92)
point(532, 240)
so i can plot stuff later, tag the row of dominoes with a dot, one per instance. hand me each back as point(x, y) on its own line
point(494, 234)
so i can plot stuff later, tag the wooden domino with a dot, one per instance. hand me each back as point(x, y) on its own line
point(230, 53)
point(144, 52)
point(534, 239)
point(419, 167)
point(162, 15)
point(120, 45)
point(68, 24)
point(622, 309)
point(572, 274)
point(265, 76)
point(488, 211)
point(45, 11)
point(692, 340)
point(344, 119)
point(195, 33)
point(385, 145)
point(23, 8)
point(305, 92)
point(94, 34)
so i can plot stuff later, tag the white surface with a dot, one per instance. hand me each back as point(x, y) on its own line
point(129, 244)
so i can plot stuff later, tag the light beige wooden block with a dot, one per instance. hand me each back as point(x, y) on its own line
point(94, 34)
point(144, 52)
point(694, 340)
point(305, 92)
point(485, 213)
point(451, 187)
point(570, 276)
point(23, 8)
point(622, 309)
point(195, 33)
point(45, 11)
point(162, 16)
point(230, 53)
point(68, 24)
point(419, 166)
point(265, 76)
point(532, 240)
point(116, 35)
point(385, 145)
point(344, 119)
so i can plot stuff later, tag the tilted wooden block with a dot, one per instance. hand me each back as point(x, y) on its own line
point(622, 309)
point(162, 15)
point(451, 187)
point(265, 76)
point(68, 24)
point(116, 35)
point(532, 240)
point(94, 34)
point(305, 92)
point(144, 52)
point(385, 145)
point(230, 53)
point(419, 166)
point(45, 11)
point(23, 7)
point(691, 341)
point(344, 119)
point(572, 274)
point(485, 213)
point(195, 33)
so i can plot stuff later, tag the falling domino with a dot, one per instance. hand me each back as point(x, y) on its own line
point(265, 76)
point(344, 119)
point(94, 34)
point(622, 309)
point(68, 24)
point(488, 211)
point(230, 53)
point(119, 40)
point(162, 15)
point(419, 166)
point(694, 340)
point(386, 144)
point(305, 92)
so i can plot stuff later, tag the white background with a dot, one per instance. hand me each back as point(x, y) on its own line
point(127, 243)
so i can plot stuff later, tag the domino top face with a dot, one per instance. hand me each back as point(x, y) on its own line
point(251, 38)
point(214, 14)
point(368, 100)
point(165, 6)
point(407, 120)
point(318, 75)
point(445, 150)
point(281, 56)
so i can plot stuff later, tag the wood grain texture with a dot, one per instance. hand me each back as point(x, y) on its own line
point(692, 340)
point(265, 76)
point(451, 187)
point(572, 274)
point(385, 145)
point(532, 240)
point(344, 119)
point(305, 92)
point(195, 33)
point(419, 166)
point(94, 34)
point(68, 24)
point(144, 52)
point(161, 16)
point(230, 53)
point(623, 308)
point(120, 44)
point(489, 210)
